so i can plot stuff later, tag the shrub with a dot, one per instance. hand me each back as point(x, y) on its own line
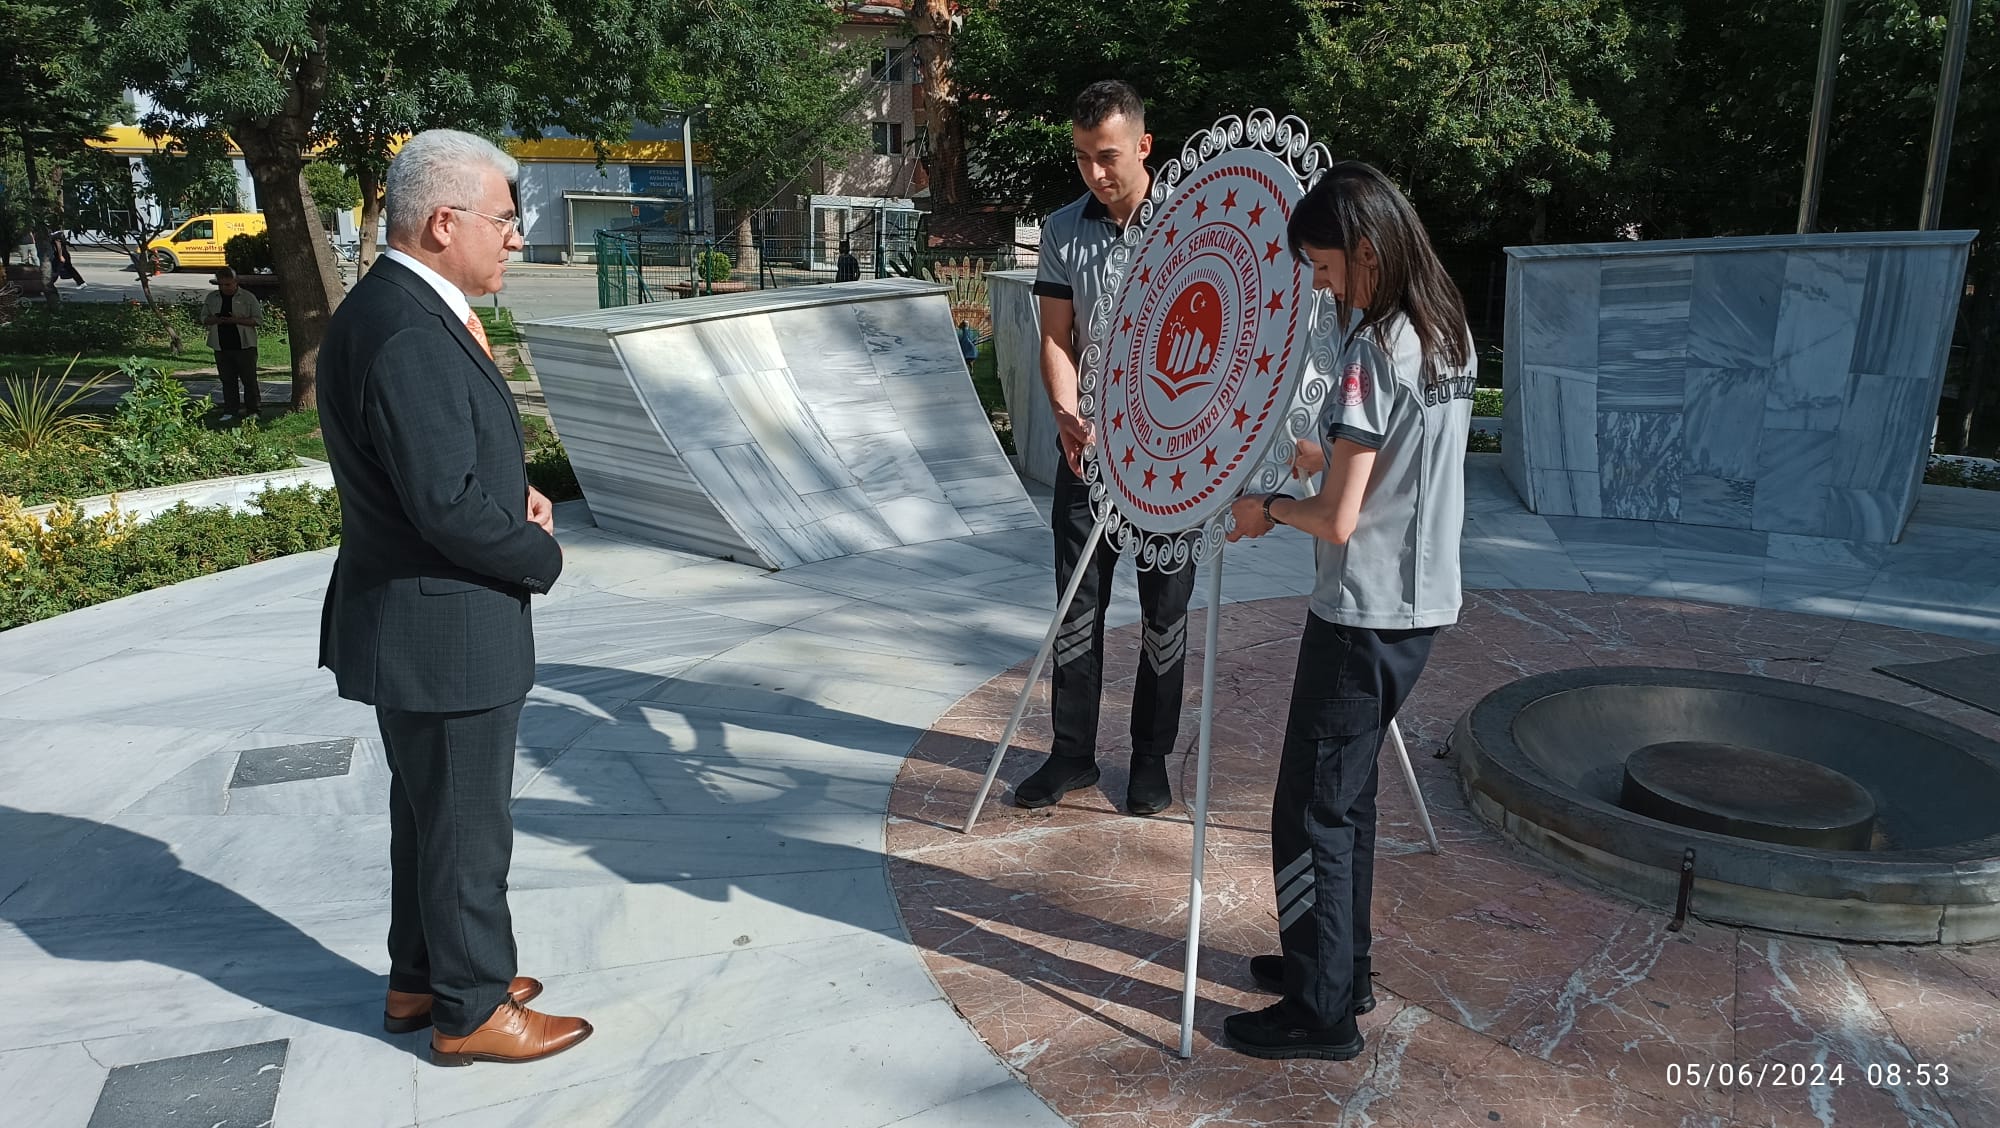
point(154, 438)
point(714, 266)
point(548, 463)
point(1956, 472)
point(1486, 401)
point(74, 561)
point(249, 254)
point(1483, 442)
point(37, 414)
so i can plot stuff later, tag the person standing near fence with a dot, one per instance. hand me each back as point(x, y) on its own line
point(847, 268)
point(1108, 132)
point(232, 315)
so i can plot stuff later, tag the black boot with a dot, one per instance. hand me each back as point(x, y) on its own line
point(1057, 777)
point(1269, 972)
point(1268, 1033)
point(1148, 792)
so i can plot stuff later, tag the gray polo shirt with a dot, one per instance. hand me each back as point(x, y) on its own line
point(1400, 569)
point(1076, 240)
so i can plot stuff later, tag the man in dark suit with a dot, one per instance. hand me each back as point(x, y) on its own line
point(442, 544)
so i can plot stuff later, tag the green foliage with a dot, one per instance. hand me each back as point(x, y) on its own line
point(333, 190)
point(1486, 401)
point(1960, 472)
point(53, 96)
point(154, 438)
point(780, 91)
point(548, 463)
point(714, 266)
point(39, 414)
point(101, 327)
point(1482, 442)
point(70, 561)
point(248, 253)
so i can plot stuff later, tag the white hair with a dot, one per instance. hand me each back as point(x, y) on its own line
point(439, 168)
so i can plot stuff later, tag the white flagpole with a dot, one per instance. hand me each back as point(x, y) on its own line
point(1410, 778)
point(1083, 563)
point(1212, 643)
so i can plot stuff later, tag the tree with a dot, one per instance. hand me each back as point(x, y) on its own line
point(778, 90)
point(101, 196)
point(1020, 64)
point(333, 190)
point(933, 26)
point(51, 102)
point(263, 74)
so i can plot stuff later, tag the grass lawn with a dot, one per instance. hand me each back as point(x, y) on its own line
point(298, 430)
point(986, 382)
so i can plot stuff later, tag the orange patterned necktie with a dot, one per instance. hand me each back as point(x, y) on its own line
point(478, 332)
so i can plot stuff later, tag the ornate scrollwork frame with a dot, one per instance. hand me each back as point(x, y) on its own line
point(1289, 140)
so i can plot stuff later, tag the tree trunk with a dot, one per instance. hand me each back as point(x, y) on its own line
point(38, 220)
point(371, 217)
point(931, 20)
point(1982, 354)
point(746, 246)
point(274, 147)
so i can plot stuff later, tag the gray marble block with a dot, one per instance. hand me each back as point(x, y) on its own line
point(779, 427)
point(1782, 383)
point(1017, 357)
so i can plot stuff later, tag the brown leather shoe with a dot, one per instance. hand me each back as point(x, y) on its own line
point(411, 1010)
point(514, 1033)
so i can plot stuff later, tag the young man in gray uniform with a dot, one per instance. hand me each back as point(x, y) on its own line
point(1111, 145)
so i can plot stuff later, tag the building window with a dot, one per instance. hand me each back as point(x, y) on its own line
point(888, 138)
point(892, 65)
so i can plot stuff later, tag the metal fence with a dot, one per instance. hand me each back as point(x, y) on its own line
point(640, 265)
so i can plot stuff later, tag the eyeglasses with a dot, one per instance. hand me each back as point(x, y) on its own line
point(507, 223)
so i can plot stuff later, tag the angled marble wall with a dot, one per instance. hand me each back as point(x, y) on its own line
point(779, 427)
point(1017, 356)
point(1785, 383)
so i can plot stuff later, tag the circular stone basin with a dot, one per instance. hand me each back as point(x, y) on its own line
point(1557, 760)
point(1749, 793)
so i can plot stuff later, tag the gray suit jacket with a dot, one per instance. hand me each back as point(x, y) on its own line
point(428, 607)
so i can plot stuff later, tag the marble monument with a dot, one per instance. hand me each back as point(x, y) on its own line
point(779, 427)
point(1783, 383)
point(1017, 357)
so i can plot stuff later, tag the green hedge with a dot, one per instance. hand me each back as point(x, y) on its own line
point(95, 328)
point(75, 561)
point(154, 438)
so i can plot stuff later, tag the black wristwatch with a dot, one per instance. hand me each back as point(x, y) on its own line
point(1268, 499)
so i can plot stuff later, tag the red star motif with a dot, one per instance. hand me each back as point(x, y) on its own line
point(1208, 460)
point(1229, 201)
point(1146, 276)
point(1201, 207)
point(1118, 421)
point(1117, 375)
point(1172, 232)
point(1126, 327)
point(1176, 477)
point(1127, 460)
point(1150, 478)
point(1263, 365)
point(1242, 418)
point(1256, 215)
point(1277, 302)
point(1271, 251)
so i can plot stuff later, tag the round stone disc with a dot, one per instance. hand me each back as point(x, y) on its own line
point(1748, 793)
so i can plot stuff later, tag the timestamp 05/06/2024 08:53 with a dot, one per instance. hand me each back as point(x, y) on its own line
point(1807, 1075)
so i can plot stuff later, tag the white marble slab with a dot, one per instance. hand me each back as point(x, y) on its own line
point(1684, 380)
point(1017, 360)
point(779, 427)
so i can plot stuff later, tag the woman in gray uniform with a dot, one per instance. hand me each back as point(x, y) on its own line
point(1386, 523)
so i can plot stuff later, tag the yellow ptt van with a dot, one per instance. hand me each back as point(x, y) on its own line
point(199, 241)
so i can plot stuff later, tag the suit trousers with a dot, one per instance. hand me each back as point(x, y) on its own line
point(1349, 684)
point(1078, 680)
point(451, 840)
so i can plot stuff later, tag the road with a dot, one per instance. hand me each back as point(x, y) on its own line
point(533, 290)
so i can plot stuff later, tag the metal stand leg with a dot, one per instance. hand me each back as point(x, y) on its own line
point(1410, 778)
point(1201, 804)
point(1083, 563)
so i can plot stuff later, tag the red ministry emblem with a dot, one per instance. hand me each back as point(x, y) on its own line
point(1354, 385)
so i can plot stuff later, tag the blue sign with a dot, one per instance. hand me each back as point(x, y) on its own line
point(659, 180)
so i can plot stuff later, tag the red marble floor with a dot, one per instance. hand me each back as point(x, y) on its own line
point(1509, 994)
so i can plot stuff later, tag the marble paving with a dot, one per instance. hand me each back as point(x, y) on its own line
point(193, 861)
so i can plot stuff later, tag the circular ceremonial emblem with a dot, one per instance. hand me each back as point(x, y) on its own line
point(1353, 385)
point(1205, 341)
